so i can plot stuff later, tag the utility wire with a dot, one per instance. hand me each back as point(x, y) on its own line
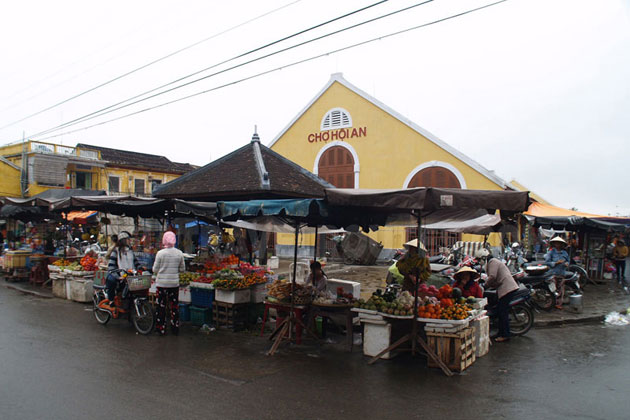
point(119, 105)
point(137, 69)
point(348, 47)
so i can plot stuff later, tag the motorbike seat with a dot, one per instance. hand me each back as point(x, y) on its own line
point(99, 287)
point(534, 279)
point(492, 297)
point(522, 291)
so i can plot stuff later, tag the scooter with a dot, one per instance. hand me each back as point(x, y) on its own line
point(542, 284)
point(131, 303)
point(521, 313)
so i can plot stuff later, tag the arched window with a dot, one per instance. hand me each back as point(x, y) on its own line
point(439, 177)
point(336, 165)
point(336, 118)
point(434, 176)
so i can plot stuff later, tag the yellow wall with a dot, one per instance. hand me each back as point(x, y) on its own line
point(389, 152)
point(9, 181)
point(128, 177)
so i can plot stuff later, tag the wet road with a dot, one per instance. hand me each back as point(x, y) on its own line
point(57, 363)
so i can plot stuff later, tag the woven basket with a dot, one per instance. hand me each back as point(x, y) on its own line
point(302, 300)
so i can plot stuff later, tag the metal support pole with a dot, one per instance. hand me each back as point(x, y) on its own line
point(315, 253)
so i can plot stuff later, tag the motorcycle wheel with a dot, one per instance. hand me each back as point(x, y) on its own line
point(582, 275)
point(544, 299)
point(146, 321)
point(102, 317)
point(521, 319)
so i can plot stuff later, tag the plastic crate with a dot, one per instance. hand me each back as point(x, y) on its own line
point(184, 312)
point(200, 316)
point(201, 298)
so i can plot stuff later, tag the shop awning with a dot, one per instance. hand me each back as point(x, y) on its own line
point(80, 216)
point(429, 200)
point(546, 210)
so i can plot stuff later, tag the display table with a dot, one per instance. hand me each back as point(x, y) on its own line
point(330, 311)
point(284, 308)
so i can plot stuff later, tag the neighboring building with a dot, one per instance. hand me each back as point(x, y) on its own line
point(134, 173)
point(352, 140)
point(31, 167)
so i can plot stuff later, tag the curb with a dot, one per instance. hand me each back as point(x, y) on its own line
point(28, 292)
point(568, 321)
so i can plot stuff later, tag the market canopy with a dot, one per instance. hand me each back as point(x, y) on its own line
point(575, 223)
point(429, 199)
point(48, 197)
point(252, 172)
point(537, 209)
point(80, 216)
point(309, 212)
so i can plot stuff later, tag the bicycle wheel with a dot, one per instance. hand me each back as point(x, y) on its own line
point(102, 317)
point(143, 320)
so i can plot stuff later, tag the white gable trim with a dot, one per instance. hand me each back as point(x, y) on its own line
point(338, 77)
point(454, 170)
point(355, 156)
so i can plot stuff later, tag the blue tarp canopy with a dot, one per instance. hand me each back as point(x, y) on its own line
point(305, 209)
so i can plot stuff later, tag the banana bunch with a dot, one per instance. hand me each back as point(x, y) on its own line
point(408, 266)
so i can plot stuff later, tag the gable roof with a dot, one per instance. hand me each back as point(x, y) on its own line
point(338, 78)
point(136, 160)
point(252, 172)
point(517, 186)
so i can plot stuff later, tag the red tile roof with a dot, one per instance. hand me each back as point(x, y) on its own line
point(135, 160)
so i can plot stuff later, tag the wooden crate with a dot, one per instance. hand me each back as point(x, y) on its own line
point(456, 350)
point(231, 315)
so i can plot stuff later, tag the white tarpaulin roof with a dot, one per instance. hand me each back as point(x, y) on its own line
point(471, 225)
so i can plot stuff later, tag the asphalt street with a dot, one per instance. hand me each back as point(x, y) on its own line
point(56, 362)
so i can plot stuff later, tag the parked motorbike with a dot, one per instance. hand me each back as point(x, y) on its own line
point(542, 284)
point(513, 257)
point(132, 302)
point(521, 313)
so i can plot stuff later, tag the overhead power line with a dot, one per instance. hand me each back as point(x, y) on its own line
point(392, 34)
point(118, 106)
point(144, 66)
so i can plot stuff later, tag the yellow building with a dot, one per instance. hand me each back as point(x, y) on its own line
point(352, 140)
point(31, 167)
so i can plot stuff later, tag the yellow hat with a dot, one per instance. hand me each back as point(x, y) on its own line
point(414, 243)
point(466, 269)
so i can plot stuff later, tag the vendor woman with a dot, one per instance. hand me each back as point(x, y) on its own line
point(317, 278)
point(466, 280)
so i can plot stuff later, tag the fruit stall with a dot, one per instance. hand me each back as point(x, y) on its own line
point(224, 291)
point(73, 279)
point(456, 328)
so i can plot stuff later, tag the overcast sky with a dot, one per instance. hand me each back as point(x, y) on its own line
point(536, 90)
